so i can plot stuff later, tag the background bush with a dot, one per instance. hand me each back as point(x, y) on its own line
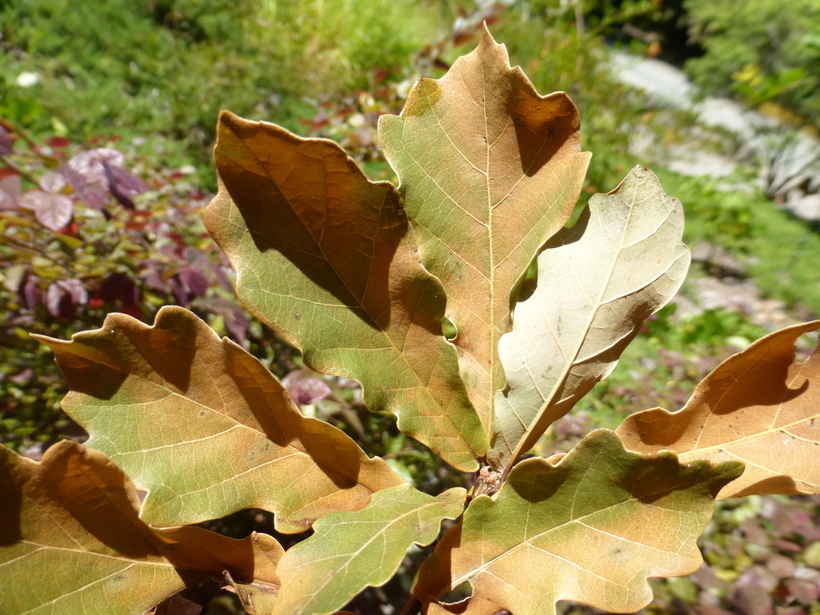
point(759, 48)
point(166, 67)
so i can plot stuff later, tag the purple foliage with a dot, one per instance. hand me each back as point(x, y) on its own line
point(53, 211)
point(305, 388)
point(63, 296)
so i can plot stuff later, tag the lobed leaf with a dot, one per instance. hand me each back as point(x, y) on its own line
point(353, 550)
point(72, 541)
point(760, 406)
point(323, 256)
point(592, 528)
point(489, 170)
point(205, 427)
point(597, 283)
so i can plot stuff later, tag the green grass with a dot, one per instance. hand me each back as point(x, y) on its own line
point(166, 68)
point(780, 254)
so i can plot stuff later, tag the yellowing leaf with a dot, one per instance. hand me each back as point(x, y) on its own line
point(592, 528)
point(350, 551)
point(205, 427)
point(324, 257)
point(597, 283)
point(489, 171)
point(72, 541)
point(471, 606)
point(760, 406)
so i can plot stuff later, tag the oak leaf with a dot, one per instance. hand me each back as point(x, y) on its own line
point(760, 406)
point(597, 283)
point(592, 528)
point(205, 428)
point(324, 257)
point(352, 550)
point(489, 170)
point(71, 538)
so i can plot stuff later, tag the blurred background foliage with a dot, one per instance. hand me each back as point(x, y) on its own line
point(107, 120)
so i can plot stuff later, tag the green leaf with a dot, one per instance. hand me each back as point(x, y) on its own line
point(205, 427)
point(489, 170)
point(324, 257)
point(592, 528)
point(72, 541)
point(350, 551)
point(597, 283)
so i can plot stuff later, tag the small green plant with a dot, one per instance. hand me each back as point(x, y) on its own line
point(363, 277)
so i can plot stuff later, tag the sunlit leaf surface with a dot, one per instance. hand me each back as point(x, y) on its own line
point(489, 170)
point(760, 406)
point(205, 427)
point(597, 283)
point(71, 541)
point(324, 257)
point(350, 551)
point(592, 528)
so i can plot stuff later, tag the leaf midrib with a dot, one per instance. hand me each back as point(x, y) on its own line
point(571, 361)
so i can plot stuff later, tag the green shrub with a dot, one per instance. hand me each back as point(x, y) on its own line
point(779, 252)
point(168, 66)
point(759, 49)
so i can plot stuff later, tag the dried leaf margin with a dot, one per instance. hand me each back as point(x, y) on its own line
point(489, 170)
point(595, 289)
point(761, 407)
point(205, 428)
point(324, 257)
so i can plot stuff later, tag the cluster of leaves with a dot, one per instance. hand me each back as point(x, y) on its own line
point(363, 277)
point(68, 221)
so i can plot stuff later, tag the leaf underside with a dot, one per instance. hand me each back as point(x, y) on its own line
point(760, 406)
point(489, 170)
point(592, 528)
point(324, 257)
point(72, 540)
point(597, 283)
point(205, 427)
point(350, 551)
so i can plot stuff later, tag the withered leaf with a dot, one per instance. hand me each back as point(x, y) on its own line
point(71, 538)
point(592, 528)
point(324, 257)
point(205, 427)
point(489, 170)
point(760, 406)
point(597, 283)
point(352, 550)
